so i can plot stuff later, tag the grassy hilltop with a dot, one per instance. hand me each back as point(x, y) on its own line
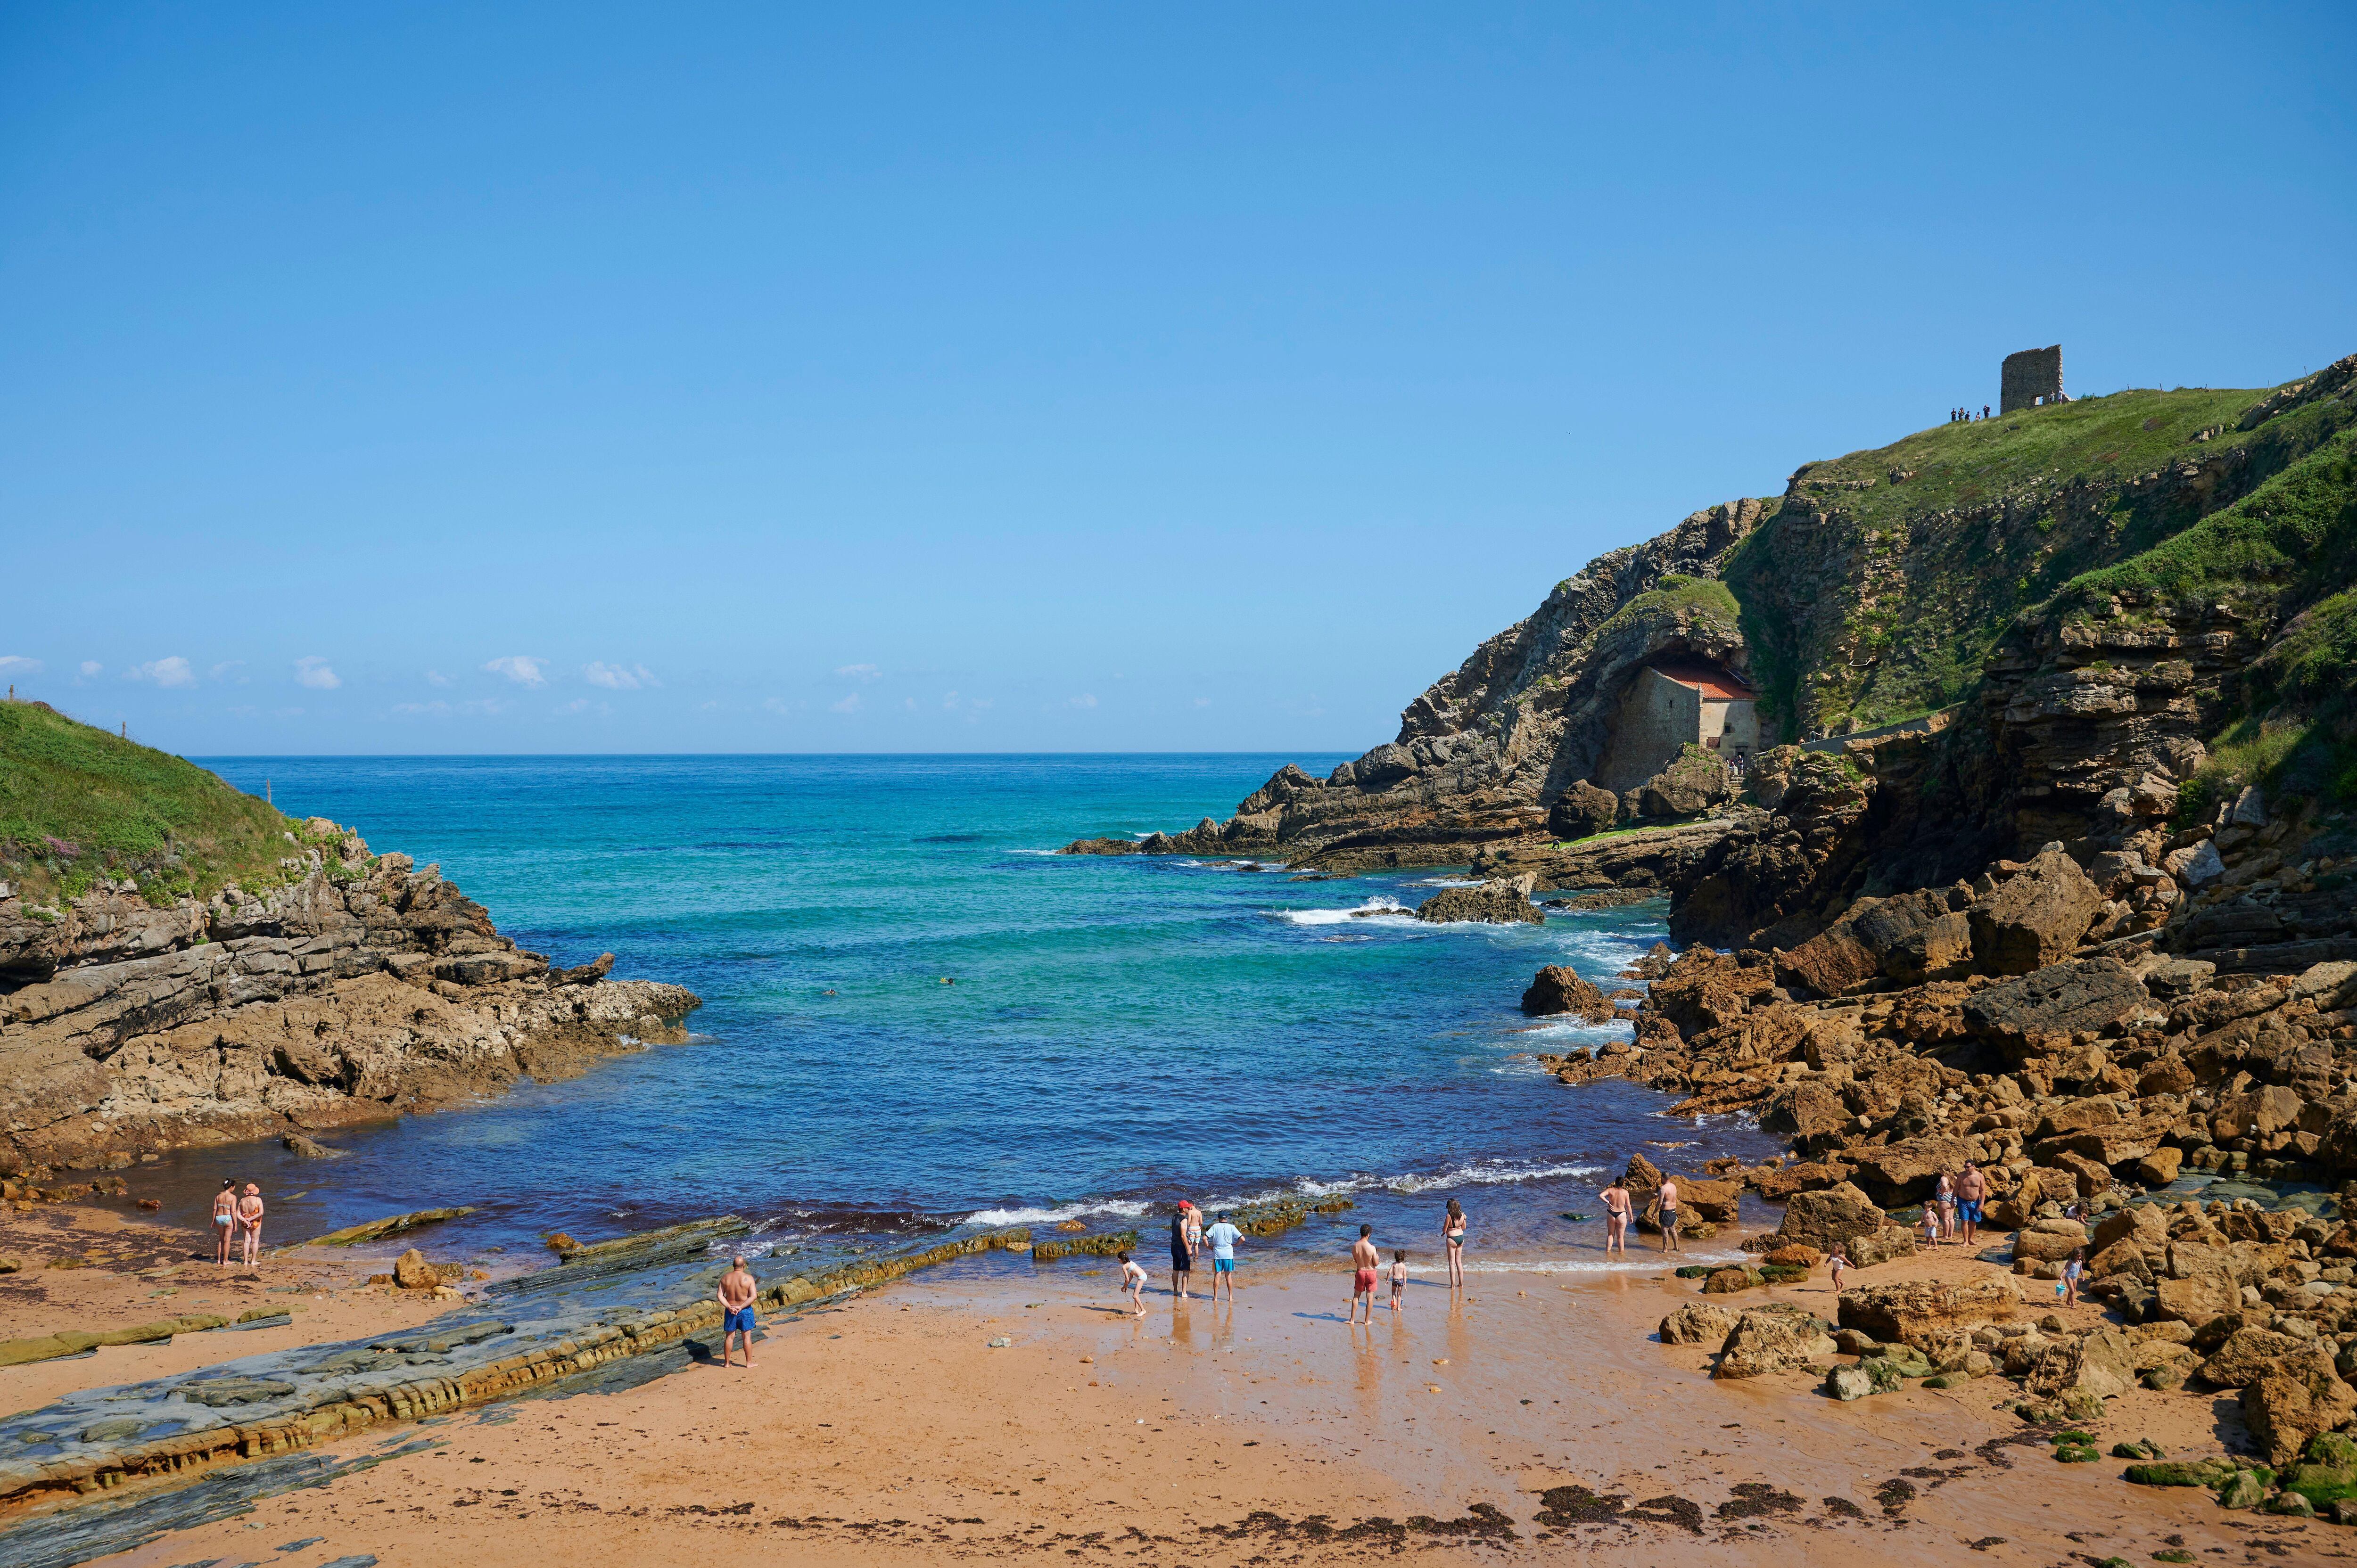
point(77, 804)
point(1880, 585)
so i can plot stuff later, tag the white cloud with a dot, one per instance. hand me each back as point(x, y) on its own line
point(91, 669)
point(584, 705)
point(848, 705)
point(435, 678)
point(422, 710)
point(858, 671)
point(222, 670)
point(171, 671)
point(979, 702)
point(619, 677)
point(1203, 702)
point(520, 667)
point(312, 670)
point(1084, 701)
point(17, 664)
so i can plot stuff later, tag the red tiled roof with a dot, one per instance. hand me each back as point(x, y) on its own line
point(1715, 682)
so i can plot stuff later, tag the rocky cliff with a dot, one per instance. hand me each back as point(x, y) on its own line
point(1934, 617)
point(342, 986)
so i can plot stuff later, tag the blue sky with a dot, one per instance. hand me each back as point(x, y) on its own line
point(977, 378)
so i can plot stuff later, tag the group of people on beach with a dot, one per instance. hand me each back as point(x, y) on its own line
point(1953, 1213)
point(237, 1218)
point(1188, 1235)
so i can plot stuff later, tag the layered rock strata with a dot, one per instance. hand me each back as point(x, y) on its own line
point(365, 989)
point(607, 1304)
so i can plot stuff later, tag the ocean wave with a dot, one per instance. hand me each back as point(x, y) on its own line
point(1579, 1032)
point(1492, 1173)
point(1375, 909)
point(1119, 1209)
point(1651, 1262)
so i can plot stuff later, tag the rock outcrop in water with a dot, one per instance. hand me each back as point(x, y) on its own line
point(362, 990)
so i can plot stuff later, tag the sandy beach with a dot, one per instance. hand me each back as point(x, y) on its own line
point(890, 1429)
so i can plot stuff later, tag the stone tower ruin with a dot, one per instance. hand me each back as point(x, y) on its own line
point(2032, 377)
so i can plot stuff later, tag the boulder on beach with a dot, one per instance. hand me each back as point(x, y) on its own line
point(1916, 1311)
point(1698, 1323)
point(1828, 1218)
point(1772, 1339)
point(411, 1272)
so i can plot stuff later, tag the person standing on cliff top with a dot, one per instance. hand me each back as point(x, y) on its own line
point(249, 1219)
point(1364, 1263)
point(1972, 1191)
point(737, 1289)
point(1617, 1205)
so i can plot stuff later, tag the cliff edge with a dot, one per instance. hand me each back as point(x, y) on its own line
point(179, 963)
point(1985, 631)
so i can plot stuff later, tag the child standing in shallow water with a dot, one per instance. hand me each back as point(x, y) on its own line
point(1399, 1277)
point(1132, 1280)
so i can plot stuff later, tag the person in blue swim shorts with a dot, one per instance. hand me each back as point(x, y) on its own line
point(1223, 1238)
point(1972, 1191)
point(737, 1289)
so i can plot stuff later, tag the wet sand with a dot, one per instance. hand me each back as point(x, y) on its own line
point(890, 1431)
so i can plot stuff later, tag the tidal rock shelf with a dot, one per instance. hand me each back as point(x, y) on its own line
point(602, 1306)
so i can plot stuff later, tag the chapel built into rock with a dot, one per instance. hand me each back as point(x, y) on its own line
point(1673, 703)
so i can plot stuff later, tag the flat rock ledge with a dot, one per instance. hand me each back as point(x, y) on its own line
point(603, 1305)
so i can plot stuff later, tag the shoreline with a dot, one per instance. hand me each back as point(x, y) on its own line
point(882, 1428)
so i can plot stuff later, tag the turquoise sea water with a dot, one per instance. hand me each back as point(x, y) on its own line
point(1119, 1032)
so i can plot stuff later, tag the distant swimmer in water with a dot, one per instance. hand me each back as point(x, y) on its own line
point(1364, 1262)
point(1452, 1231)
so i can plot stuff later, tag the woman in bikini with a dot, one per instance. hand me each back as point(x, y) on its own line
point(1452, 1231)
point(224, 1217)
point(249, 1218)
point(1616, 1209)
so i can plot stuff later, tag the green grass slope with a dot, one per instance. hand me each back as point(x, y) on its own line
point(2283, 558)
point(1878, 587)
point(77, 804)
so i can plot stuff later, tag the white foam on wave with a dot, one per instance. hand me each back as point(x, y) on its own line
point(1652, 1262)
point(1474, 1174)
point(1580, 1031)
point(1119, 1209)
point(1375, 909)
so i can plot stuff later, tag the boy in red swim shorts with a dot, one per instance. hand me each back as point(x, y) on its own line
point(1364, 1260)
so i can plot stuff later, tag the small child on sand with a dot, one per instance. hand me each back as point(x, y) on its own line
point(2067, 1287)
point(1399, 1277)
point(1132, 1280)
point(1839, 1265)
point(1930, 1225)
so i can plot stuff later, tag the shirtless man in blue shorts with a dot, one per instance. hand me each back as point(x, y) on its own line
point(736, 1292)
